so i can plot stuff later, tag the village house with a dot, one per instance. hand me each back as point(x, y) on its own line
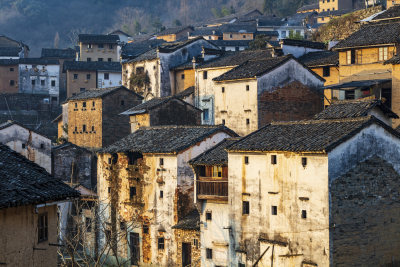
point(28, 211)
point(123, 36)
point(146, 185)
point(81, 76)
point(238, 31)
point(169, 110)
point(9, 75)
point(99, 47)
point(175, 34)
point(208, 33)
point(134, 49)
point(211, 198)
point(300, 47)
point(232, 45)
point(39, 76)
point(302, 198)
point(264, 90)
point(309, 8)
point(93, 116)
point(149, 74)
point(12, 49)
point(31, 144)
point(283, 26)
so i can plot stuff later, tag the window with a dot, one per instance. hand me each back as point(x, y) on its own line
point(205, 114)
point(208, 216)
point(42, 82)
point(304, 162)
point(11, 69)
point(244, 36)
point(132, 192)
point(100, 59)
point(33, 82)
point(217, 171)
point(53, 83)
point(182, 76)
point(304, 214)
point(106, 76)
point(92, 128)
point(196, 243)
point(76, 129)
point(42, 227)
point(247, 88)
point(161, 243)
point(223, 89)
point(101, 46)
point(83, 104)
point(89, 46)
point(273, 159)
point(109, 160)
point(274, 210)
point(223, 122)
point(139, 70)
point(87, 76)
point(247, 121)
point(145, 228)
point(23, 145)
point(246, 208)
point(110, 46)
point(75, 76)
point(12, 82)
point(88, 223)
point(230, 35)
point(42, 146)
point(358, 56)
point(351, 56)
point(205, 74)
point(326, 71)
point(383, 53)
point(82, 89)
point(93, 104)
point(89, 59)
point(122, 226)
point(209, 253)
point(84, 128)
point(109, 59)
point(76, 105)
point(246, 160)
point(161, 194)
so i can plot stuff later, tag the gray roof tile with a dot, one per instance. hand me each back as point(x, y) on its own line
point(98, 38)
point(217, 155)
point(100, 93)
point(320, 58)
point(93, 65)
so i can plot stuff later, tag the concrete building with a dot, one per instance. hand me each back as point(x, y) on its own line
point(28, 211)
point(9, 76)
point(302, 198)
point(147, 184)
point(34, 146)
point(81, 76)
point(169, 110)
point(40, 76)
point(93, 116)
point(99, 47)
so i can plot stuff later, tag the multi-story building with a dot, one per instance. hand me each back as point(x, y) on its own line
point(9, 75)
point(99, 47)
point(174, 34)
point(10, 48)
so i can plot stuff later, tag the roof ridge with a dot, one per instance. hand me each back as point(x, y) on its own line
point(365, 118)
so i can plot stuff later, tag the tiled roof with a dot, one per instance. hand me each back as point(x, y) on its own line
point(93, 65)
point(221, 43)
point(100, 93)
point(239, 28)
point(217, 155)
point(98, 38)
point(24, 182)
point(372, 34)
point(393, 12)
point(394, 60)
point(353, 109)
point(271, 21)
point(135, 49)
point(305, 136)
point(303, 43)
point(187, 92)
point(58, 53)
point(253, 68)
point(308, 7)
point(232, 59)
point(119, 32)
point(190, 222)
point(175, 30)
point(153, 103)
point(38, 61)
point(9, 123)
point(8, 62)
point(201, 31)
point(149, 55)
point(173, 46)
point(320, 58)
point(334, 13)
point(165, 139)
point(10, 51)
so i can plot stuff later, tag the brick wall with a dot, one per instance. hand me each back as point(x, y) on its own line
point(294, 101)
point(175, 113)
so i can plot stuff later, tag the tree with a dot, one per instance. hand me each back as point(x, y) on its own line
point(295, 35)
point(177, 22)
point(259, 42)
point(157, 24)
point(139, 82)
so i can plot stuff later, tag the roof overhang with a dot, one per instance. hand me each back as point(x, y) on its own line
point(357, 84)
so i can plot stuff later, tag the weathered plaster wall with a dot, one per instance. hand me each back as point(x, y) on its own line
point(115, 79)
point(396, 93)
point(152, 68)
point(9, 73)
point(95, 52)
point(182, 80)
point(297, 51)
point(74, 85)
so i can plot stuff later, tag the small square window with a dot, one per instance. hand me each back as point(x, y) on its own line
point(209, 253)
point(33, 82)
point(161, 161)
point(100, 59)
point(304, 214)
point(244, 36)
point(182, 76)
point(161, 243)
point(89, 59)
point(161, 194)
point(208, 216)
point(304, 162)
point(223, 89)
point(145, 228)
point(82, 89)
point(205, 74)
point(247, 121)
point(42, 82)
point(23, 145)
point(274, 210)
point(273, 159)
point(53, 83)
point(223, 121)
point(12, 82)
point(87, 76)
point(246, 208)
point(11, 69)
point(132, 192)
point(246, 160)
point(106, 76)
point(109, 59)
point(75, 76)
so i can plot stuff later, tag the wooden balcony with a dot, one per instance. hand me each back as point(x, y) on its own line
point(212, 189)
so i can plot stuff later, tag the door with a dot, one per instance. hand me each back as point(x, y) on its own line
point(186, 254)
point(135, 249)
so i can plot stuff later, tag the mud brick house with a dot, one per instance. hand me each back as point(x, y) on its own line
point(260, 91)
point(174, 34)
point(239, 31)
point(326, 65)
point(232, 45)
point(81, 76)
point(211, 198)
point(10, 48)
point(297, 196)
point(33, 145)
point(146, 184)
point(149, 73)
point(28, 211)
point(9, 75)
point(93, 116)
point(208, 33)
point(99, 47)
point(169, 110)
point(10, 52)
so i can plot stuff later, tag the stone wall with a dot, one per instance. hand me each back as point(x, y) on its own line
point(188, 236)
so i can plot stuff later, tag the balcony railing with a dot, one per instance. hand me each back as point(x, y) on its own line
point(212, 189)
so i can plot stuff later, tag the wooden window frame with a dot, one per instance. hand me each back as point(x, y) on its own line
point(43, 227)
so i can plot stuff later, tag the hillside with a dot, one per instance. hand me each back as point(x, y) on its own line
point(57, 22)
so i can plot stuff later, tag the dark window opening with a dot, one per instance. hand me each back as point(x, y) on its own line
point(100, 59)
point(87, 76)
point(133, 157)
point(161, 194)
point(206, 116)
point(274, 210)
point(223, 89)
point(12, 82)
point(109, 59)
point(273, 159)
point(43, 231)
point(223, 122)
point(101, 46)
point(110, 46)
point(326, 71)
point(84, 104)
point(89, 59)
point(82, 89)
point(132, 192)
point(84, 128)
point(247, 88)
point(196, 243)
point(42, 82)
point(304, 161)
point(53, 83)
point(161, 162)
point(139, 70)
point(75, 76)
point(109, 190)
point(114, 158)
point(122, 226)
point(182, 76)
point(122, 102)
point(205, 74)
point(208, 216)
point(23, 145)
point(208, 253)
point(42, 146)
point(88, 223)
point(93, 104)
point(11, 69)
point(106, 76)
point(76, 128)
point(33, 82)
point(92, 128)
point(246, 208)
point(145, 228)
point(246, 160)
point(161, 243)
point(304, 214)
point(247, 121)
point(349, 94)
